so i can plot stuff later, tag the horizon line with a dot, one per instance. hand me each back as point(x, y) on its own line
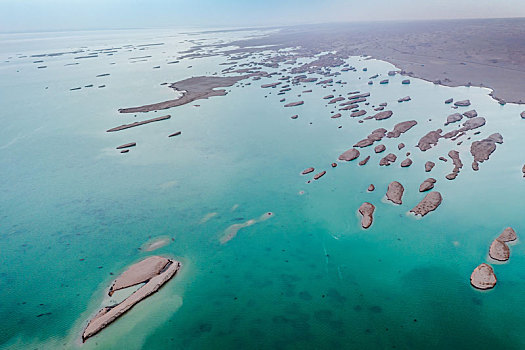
point(220, 28)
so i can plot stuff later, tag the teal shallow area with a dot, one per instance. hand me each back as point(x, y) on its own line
point(73, 210)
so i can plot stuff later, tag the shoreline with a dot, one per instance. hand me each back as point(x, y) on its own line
point(475, 52)
point(451, 84)
point(403, 72)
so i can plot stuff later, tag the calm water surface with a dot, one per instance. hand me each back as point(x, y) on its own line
point(74, 211)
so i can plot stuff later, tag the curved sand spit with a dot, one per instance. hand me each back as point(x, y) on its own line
point(155, 271)
point(232, 230)
point(195, 88)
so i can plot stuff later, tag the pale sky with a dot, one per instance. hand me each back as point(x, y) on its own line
point(49, 15)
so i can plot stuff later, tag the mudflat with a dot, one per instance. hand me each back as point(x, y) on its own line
point(477, 52)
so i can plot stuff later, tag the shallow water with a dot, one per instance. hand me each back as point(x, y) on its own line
point(73, 209)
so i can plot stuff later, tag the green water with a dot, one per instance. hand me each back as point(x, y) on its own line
point(73, 210)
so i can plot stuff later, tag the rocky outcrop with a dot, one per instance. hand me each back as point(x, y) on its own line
point(358, 96)
point(384, 81)
point(429, 140)
point(293, 104)
point(367, 211)
point(364, 161)
point(348, 107)
point(406, 163)
point(349, 155)
point(508, 235)
point(395, 192)
point(319, 175)
point(429, 165)
point(522, 115)
point(523, 170)
point(404, 99)
point(464, 103)
point(383, 115)
point(499, 250)
point(432, 138)
point(154, 271)
point(473, 123)
point(376, 135)
point(323, 82)
point(456, 117)
point(427, 185)
point(483, 277)
point(405, 82)
point(371, 188)
point(471, 114)
point(380, 148)
point(457, 164)
point(400, 146)
point(358, 100)
point(132, 125)
point(431, 201)
point(388, 159)
point(449, 101)
point(335, 116)
point(401, 128)
point(127, 145)
point(335, 100)
point(454, 135)
point(455, 160)
point(271, 85)
point(358, 113)
point(307, 171)
point(481, 150)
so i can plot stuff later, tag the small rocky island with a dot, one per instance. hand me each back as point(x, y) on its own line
point(367, 210)
point(499, 250)
point(483, 277)
point(427, 185)
point(431, 201)
point(395, 192)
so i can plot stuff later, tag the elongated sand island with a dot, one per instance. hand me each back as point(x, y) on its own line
point(154, 271)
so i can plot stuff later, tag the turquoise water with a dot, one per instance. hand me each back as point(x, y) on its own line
point(73, 209)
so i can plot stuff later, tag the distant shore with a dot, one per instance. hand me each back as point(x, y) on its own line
point(483, 52)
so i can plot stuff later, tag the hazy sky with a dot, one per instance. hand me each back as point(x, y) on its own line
point(44, 15)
